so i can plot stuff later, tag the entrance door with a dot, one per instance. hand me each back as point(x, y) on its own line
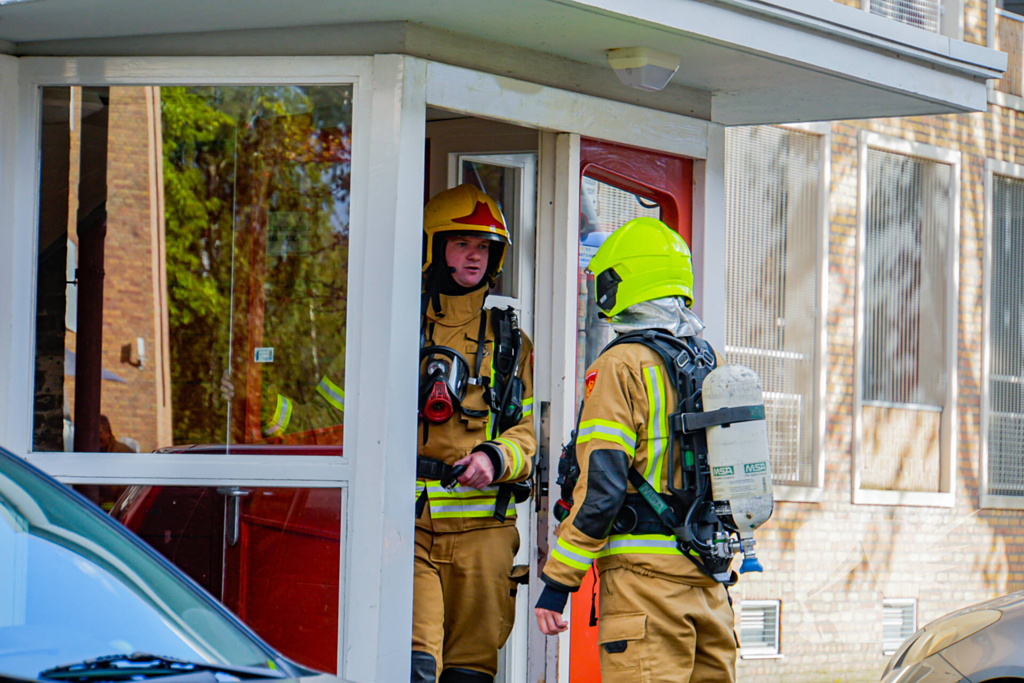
point(617, 184)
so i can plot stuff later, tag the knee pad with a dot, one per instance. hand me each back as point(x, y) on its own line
point(424, 667)
point(465, 676)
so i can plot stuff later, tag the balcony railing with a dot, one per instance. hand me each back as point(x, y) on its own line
point(923, 14)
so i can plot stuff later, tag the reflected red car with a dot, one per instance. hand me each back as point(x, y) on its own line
point(271, 555)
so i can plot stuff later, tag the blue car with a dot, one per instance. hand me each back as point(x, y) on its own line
point(84, 599)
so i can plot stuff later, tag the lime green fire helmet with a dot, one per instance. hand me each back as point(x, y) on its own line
point(641, 261)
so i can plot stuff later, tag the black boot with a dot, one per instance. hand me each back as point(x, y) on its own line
point(424, 667)
point(465, 676)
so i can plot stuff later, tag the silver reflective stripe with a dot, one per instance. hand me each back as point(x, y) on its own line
point(330, 391)
point(439, 506)
point(282, 415)
point(657, 430)
point(562, 550)
point(640, 543)
point(599, 430)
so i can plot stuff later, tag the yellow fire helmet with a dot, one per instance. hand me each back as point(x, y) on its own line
point(641, 261)
point(465, 210)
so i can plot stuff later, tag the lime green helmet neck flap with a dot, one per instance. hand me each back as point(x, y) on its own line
point(641, 261)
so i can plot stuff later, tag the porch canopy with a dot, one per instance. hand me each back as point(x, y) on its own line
point(743, 61)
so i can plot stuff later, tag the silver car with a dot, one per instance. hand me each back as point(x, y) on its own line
point(84, 600)
point(973, 645)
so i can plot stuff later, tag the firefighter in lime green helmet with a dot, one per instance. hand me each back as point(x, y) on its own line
point(644, 260)
point(665, 614)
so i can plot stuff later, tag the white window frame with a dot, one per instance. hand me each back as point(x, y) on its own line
point(814, 492)
point(993, 168)
point(387, 127)
point(764, 652)
point(897, 603)
point(945, 496)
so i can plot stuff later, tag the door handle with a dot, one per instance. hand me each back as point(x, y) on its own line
point(234, 495)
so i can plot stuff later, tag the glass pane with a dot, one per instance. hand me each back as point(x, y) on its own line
point(1006, 340)
point(271, 555)
point(604, 209)
point(907, 229)
point(501, 183)
point(193, 266)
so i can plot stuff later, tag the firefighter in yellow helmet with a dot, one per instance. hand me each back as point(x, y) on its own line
point(665, 614)
point(475, 445)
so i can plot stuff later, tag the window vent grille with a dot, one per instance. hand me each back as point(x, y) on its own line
point(1006, 340)
point(923, 14)
point(773, 198)
point(899, 622)
point(904, 364)
point(759, 628)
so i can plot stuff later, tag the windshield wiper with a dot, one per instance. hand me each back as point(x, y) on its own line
point(140, 665)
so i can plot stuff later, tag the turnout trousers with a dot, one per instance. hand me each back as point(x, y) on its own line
point(655, 630)
point(464, 597)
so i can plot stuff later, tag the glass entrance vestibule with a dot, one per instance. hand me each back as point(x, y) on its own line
point(214, 273)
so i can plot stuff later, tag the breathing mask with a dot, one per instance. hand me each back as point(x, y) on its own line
point(443, 382)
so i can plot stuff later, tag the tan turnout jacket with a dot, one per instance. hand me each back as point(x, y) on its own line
point(468, 508)
point(624, 424)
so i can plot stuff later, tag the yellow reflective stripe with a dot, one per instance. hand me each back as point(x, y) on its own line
point(641, 544)
point(463, 501)
point(516, 468)
point(606, 430)
point(583, 553)
point(282, 416)
point(528, 407)
point(435, 490)
point(571, 555)
point(332, 393)
point(452, 514)
point(657, 426)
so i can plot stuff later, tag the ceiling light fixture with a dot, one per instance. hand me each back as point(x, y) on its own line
point(642, 67)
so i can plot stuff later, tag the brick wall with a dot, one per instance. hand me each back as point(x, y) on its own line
point(128, 308)
point(832, 563)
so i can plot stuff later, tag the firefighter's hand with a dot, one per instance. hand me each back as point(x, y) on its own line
point(479, 470)
point(227, 387)
point(550, 621)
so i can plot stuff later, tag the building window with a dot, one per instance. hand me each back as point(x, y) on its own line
point(1003, 387)
point(759, 628)
point(899, 622)
point(774, 232)
point(906, 318)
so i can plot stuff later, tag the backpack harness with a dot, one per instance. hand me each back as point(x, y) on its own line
point(687, 512)
point(503, 392)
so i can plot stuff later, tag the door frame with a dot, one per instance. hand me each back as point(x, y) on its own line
point(391, 95)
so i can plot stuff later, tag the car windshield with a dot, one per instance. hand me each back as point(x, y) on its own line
point(73, 586)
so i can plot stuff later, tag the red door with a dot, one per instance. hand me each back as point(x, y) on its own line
point(618, 184)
